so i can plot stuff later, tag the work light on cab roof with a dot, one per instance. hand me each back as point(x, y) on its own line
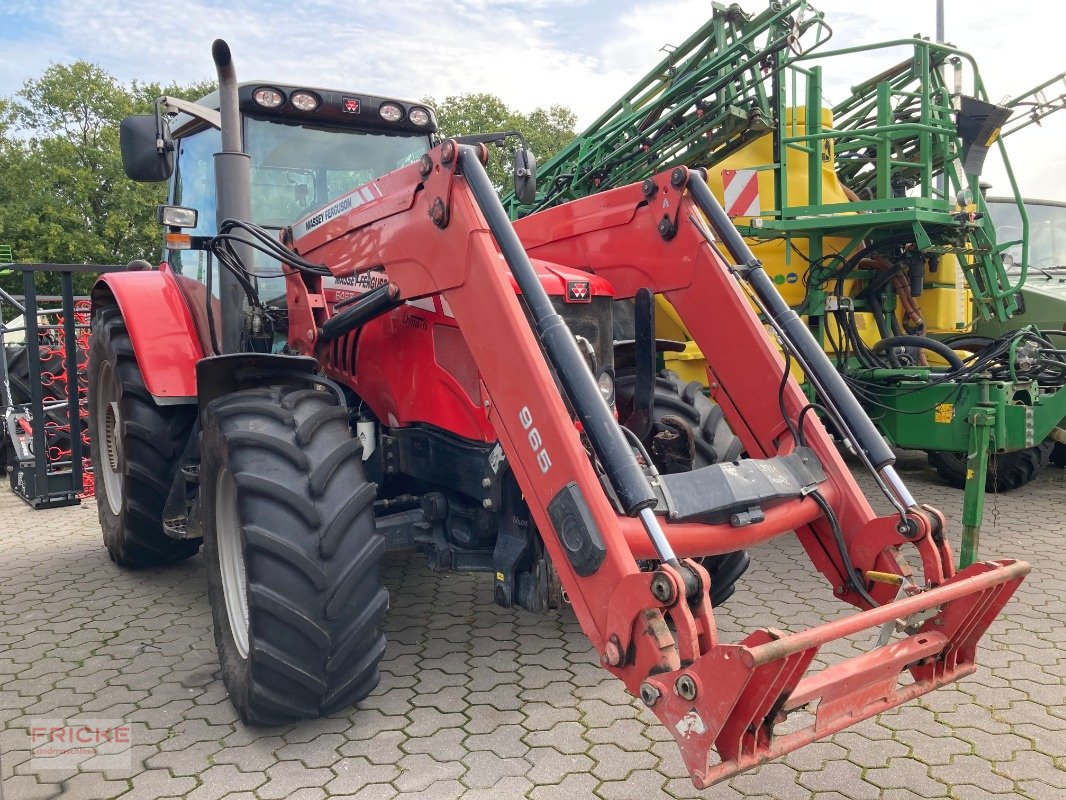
point(419, 116)
point(268, 97)
point(390, 112)
point(304, 101)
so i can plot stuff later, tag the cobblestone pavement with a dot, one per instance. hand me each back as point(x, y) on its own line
point(480, 702)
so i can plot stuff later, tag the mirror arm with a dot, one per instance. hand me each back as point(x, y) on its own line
point(489, 138)
point(208, 115)
point(160, 132)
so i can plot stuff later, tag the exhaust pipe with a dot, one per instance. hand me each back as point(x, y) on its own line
point(233, 193)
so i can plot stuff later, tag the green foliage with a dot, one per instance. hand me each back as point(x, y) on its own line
point(545, 130)
point(63, 195)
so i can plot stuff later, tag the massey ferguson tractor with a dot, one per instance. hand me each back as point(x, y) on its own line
point(362, 353)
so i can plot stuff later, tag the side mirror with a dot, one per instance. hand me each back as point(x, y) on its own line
point(525, 176)
point(140, 140)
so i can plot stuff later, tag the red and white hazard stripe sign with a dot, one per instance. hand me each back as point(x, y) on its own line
point(741, 187)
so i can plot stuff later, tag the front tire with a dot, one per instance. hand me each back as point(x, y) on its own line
point(137, 448)
point(689, 431)
point(292, 554)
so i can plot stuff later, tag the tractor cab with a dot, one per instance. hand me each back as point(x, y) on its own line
point(306, 146)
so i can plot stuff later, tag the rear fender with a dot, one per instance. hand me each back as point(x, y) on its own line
point(164, 336)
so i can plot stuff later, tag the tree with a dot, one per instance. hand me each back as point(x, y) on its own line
point(63, 195)
point(545, 130)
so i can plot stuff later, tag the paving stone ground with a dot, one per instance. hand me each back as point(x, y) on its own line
point(481, 702)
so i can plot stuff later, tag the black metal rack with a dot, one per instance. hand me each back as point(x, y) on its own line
point(40, 471)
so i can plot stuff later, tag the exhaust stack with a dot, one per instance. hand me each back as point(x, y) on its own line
point(233, 190)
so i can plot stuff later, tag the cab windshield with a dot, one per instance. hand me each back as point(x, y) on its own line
point(1047, 231)
point(297, 167)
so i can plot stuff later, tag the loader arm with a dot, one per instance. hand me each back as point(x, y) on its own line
point(437, 227)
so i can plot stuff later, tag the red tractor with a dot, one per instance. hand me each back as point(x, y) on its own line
point(362, 353)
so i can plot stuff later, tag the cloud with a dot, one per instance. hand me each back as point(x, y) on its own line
point(531, 53)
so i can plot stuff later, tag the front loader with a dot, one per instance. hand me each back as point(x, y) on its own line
point(475, 361)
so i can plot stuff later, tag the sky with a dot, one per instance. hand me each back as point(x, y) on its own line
point(583, 54)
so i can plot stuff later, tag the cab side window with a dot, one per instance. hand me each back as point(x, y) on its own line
point(194, 187)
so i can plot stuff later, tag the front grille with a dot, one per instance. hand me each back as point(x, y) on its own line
point(593, 321)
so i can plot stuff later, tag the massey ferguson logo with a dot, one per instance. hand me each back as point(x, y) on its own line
point(351, 105)
point(578, 292)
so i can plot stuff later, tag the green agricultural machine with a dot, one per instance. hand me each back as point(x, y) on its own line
point(1044, 290)
point(867, 214)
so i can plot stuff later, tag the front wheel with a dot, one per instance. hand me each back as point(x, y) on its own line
point(689, 431)
point(292, 554)
point(137, 449)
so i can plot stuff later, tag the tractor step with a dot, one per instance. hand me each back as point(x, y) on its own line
point(737, 694)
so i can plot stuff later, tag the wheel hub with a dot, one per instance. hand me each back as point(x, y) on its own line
point(112, 441)
point(109, 438)
point(231, 559)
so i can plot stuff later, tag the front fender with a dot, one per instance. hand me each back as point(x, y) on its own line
point(161, 328)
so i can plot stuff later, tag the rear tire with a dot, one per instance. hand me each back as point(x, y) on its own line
point(1058, 455)
point(292, 554)
point(1006, 471)
point(133, 476)
point(682, 415)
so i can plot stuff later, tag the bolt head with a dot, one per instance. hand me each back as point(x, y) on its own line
point(649, 695)
point(685, 687)
point(677, 177)
point(662, 588)
point(612, 652)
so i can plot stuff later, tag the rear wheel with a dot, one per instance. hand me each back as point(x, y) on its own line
point(1058, 455)
point(689, 431)
point(138, 447)
point(292, 554)
point(1006, 471)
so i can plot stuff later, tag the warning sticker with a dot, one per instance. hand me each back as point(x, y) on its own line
point(691, 723)
point(741, 190)
point(944, 413)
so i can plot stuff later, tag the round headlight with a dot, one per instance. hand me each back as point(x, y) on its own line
point(390, 112)
point(268, 98)
point(419, 116)
point(606, 384)
point(303, 101)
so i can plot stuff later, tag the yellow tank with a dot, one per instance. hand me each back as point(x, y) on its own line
point(783, 264)
point(944, 303)
point(945, 299)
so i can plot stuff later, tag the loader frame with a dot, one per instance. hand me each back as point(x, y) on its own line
point(720, 701)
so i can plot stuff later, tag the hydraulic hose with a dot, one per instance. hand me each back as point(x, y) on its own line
point(923, 343)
